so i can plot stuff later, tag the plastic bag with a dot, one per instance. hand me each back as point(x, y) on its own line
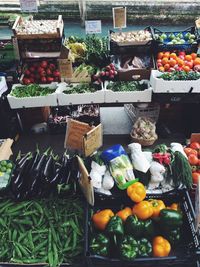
point(119, 165)
point(139, 160)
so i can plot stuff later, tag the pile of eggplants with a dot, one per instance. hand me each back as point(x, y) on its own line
point(43, 174)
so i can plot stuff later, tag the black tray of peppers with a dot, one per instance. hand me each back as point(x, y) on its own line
point(115, 246)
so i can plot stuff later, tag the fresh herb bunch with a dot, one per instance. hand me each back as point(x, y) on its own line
point(80, 89)
point(31, 90)
point(180, 76)
point(97, 50)
point(126, 86)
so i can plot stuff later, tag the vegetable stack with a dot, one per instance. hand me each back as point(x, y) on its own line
point(148, 229)
point(46, 231)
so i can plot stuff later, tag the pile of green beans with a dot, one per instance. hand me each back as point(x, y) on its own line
point(41, 231)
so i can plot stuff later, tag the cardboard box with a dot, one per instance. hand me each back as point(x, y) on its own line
point(82, 137)
point(162, 86)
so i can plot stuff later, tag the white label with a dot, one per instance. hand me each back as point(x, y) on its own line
point(28, 5)
point(119, 17)
point(92, 26)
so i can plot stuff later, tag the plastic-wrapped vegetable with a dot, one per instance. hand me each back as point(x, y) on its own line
point(119, 165)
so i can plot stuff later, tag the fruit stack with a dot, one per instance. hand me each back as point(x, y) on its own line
point(179, 61)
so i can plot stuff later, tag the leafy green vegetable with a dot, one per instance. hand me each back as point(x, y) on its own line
point(31, 90)
point(126, 86)
point(80, 89)
point(180, 76)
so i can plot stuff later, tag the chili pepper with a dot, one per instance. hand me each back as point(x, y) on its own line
point(128, 248)
point(136, 192)
point(99, 245)
point(115, 228)
point(171, 218)
point(161, 247)
point(125, 213)
point(134, 226)
point(143, 210)
point(144, 248)
point(148, 229)
point(157, 205)
point(101, 218)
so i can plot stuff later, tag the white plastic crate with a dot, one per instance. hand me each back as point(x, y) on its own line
point(163, 86)
point(76, 99)
point(31, 102)
point(3, 85)
point(127, 97)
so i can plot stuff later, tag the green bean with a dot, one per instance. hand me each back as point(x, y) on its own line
point(40, 246)
point(30, 239)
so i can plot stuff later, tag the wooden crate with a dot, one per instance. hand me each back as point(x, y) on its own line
point(59, 25)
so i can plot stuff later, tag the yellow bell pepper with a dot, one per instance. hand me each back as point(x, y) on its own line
point(143, 210)
point(123, 214)
point(136, 192)
point(161, 247)
point(101, 218)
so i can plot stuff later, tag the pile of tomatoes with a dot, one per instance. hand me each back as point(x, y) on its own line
point(193, 154)
point(179, 61)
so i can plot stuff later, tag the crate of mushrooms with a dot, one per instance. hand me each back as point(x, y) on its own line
point(34, 29)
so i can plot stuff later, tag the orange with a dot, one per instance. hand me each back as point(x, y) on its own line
point(161, 69)
point(189, 64)
point(180, 62)
point(172, 62)
point(166, 67)
point(186, 68)
point(166, 54)
point(160, 55)
point(188, 57)
point(164, 60)
point(197, 61)
point(193, 55)
point(173, 55)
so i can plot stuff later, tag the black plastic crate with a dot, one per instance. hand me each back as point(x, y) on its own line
point(185, 254)
point(165, 46)
point(116, 49)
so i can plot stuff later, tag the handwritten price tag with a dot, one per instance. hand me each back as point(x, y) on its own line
point(119, 17)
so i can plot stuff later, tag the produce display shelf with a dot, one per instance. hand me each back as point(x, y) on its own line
point(165, 86)
point(184, 254)
point(30, 102)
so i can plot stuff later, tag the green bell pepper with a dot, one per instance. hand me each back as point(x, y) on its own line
point(99, 245)
point(115, 228)
point(171, 218)
point(134, 226)
point(144, 248)
point(128, 248)
point(148, 229)
point(173, 236)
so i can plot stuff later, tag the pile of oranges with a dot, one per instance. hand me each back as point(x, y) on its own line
point(179, 61)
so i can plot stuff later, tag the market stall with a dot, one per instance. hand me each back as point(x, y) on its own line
point(93, 205)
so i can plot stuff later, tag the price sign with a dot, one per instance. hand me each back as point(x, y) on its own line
point(28, 5)
point(119, 17)
point(92, 26)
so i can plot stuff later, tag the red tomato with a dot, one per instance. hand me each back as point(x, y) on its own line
point(188, 151)
point(195, 177)
point(195, 145)
point(193, 160)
